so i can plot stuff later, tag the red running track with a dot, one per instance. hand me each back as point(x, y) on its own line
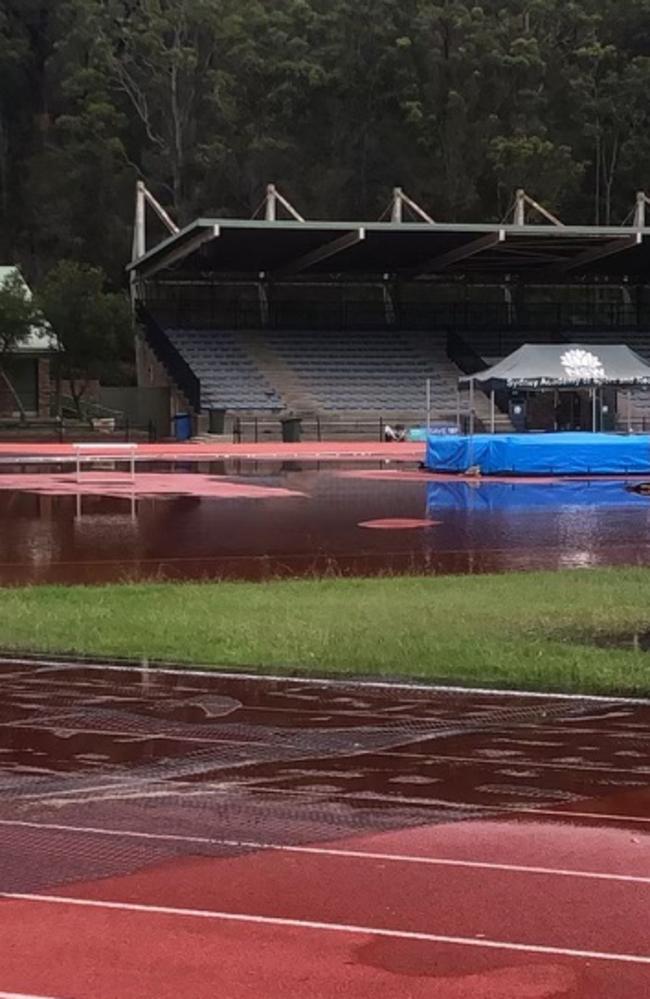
point(536, 893)
point(172, 451)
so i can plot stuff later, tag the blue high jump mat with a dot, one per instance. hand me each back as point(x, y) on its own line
point(540, 454)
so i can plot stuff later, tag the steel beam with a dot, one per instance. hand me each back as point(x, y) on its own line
point(323, 252)
point(471, 249)
point(169, 257)
point(608, 249)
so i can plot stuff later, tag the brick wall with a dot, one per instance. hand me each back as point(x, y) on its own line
point(153, 374)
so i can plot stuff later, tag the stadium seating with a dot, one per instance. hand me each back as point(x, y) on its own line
point(229, 379)
point(320, 371)
point(369, 371)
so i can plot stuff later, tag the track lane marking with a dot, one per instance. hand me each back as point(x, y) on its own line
point(24, 995)
point(169, 789)
point(399, 858)
point(308, 924)
point(205, 671)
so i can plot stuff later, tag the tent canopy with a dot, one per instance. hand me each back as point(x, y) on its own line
point(564, 365)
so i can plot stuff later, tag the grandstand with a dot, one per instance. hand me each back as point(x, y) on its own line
point(346, 323)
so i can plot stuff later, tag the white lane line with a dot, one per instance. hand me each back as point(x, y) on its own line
point(568, 730)
point(183, 789)
point(23, 995)
point(53, 726)
point(206, 671)
point(465, 806)
point(72, 793)
point(511, 763)
point(320, 851)
point(136, 790)
point(309, 924)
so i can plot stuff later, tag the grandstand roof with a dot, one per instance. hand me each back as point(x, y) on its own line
point(283, 249)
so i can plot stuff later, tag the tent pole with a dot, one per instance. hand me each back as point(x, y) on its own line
point(593, 410)
point(629, 411)
point(492, 426)
point(471, 407)
point(428, 405)
point(458, 427)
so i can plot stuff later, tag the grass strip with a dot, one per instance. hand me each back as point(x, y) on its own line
point(528, 630)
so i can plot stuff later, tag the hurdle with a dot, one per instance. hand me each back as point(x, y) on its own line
point(96, 452)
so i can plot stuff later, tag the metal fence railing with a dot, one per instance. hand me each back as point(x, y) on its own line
point(186, 308)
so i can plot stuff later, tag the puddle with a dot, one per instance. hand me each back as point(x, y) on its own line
point(258, 520)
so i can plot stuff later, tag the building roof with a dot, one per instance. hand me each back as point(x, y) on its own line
point(41, 339)
point(411, 250)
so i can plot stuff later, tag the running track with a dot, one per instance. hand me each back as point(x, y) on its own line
point(201, 451)
point(171, 834)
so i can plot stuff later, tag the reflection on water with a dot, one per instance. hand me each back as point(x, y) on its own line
point(254, 521)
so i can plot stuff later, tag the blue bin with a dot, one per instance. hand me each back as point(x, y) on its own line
point(182, 426)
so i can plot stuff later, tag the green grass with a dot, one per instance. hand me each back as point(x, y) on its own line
point(525, 630)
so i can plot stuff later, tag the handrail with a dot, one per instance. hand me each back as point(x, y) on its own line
point(171, 358)
point(90, 409)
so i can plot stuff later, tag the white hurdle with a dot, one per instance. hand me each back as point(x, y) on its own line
point(94, 452)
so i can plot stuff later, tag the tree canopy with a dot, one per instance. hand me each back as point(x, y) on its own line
point(334, 100)
point(91, 324)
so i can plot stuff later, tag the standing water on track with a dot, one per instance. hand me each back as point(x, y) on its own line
point(257, 520)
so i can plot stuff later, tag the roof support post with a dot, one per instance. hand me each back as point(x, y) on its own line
point(271, 204)
point(389, 304)
point(263, 299)
point(401, 200)
point(522, 199)
point(139, 247)
point(520, 207)
point(140, 230)
point(164, 216)
point(396, 212)
point(272, 200)
point(642, 200)
point(144, 197)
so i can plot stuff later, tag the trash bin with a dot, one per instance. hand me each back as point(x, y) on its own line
point(183, 426)
point(216, 421)
point(291, 429)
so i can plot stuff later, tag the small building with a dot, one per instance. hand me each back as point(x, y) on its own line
point(28, 367)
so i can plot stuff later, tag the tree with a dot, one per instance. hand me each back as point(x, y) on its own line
point(165, 60)
point(536, 164)
point(335, 100)
point(18, 317)
point(91, 324)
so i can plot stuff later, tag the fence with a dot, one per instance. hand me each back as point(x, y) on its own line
point(252, 430)
point(200, 308)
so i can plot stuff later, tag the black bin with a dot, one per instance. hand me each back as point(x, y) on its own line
point(216, 421)
point(291, 429)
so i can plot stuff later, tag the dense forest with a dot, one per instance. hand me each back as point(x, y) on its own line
point(334, 100)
